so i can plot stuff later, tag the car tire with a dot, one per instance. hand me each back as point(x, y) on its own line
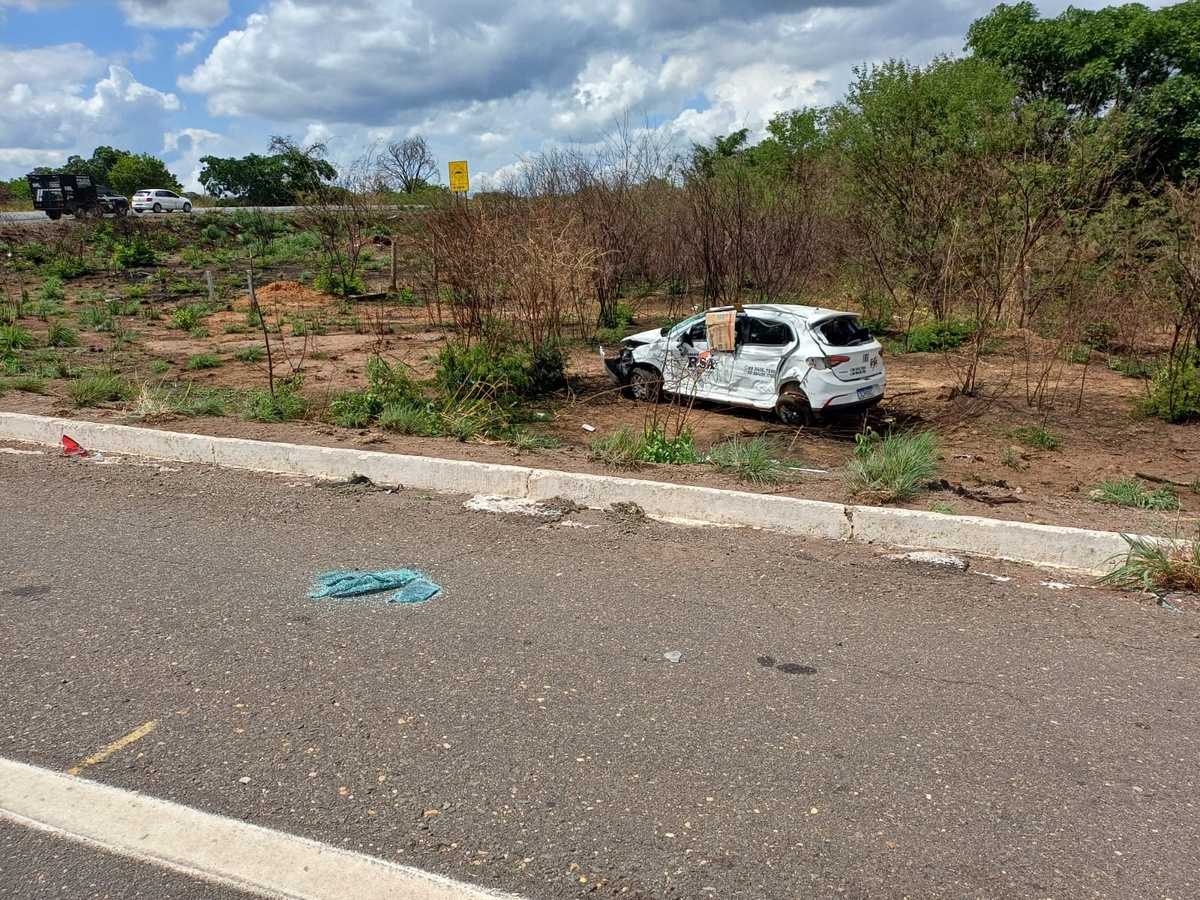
point(645, 384)
point(158, 207)
point(54, 214)
point(793, 409)
point(187, 207)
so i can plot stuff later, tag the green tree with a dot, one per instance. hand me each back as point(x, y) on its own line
point(99, 165)
point(132, 173)
point(1130, 61)
point(280, 179)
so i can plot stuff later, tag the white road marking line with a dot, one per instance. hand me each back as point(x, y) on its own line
point(215, 848)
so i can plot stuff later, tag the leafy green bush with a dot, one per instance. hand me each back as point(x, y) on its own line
point(500, 373)
point(294, 247)
point(34, 252)
point(894, 467)
point(188, 317)
point(1100, 334)
point(133, 252)
point(547, 370)
point(933, 336)
point(1132, 368)
point(67, 267)
point(1175, 391)
point(252, 354)
point(339, 280)
point(658, 448)
point(386, 385)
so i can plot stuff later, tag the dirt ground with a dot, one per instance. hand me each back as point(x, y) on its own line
point(1089, 406)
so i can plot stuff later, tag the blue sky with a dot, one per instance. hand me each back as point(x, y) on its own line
point(487, 81)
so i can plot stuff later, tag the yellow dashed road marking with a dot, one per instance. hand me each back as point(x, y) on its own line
point(101, 755)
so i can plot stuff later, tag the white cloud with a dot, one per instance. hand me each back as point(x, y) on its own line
point(174, 13)
point(53, 99)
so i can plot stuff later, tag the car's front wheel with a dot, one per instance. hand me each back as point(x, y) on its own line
point(645, 384)
point(793, 409)
point(187, 207)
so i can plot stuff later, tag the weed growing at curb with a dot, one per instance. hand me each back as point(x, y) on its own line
point(755, 461)
point(895, 467)
point(1163, 564)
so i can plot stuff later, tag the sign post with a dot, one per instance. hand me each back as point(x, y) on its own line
point(460, 183)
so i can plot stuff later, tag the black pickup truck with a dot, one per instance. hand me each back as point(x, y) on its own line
point(78, 195)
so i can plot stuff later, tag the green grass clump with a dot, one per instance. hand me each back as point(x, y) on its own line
point(60, 334)
point(30, 384)
point(204, 361)
point(894, 467)
point(92, 390)
point(1156, 564)
point(252, 354)
point(525, 440)
point(1011, 457)
point(284, 405)
point(14, 337)
point(627, 448)
point(620, 450)
point(1132, 492)
point(405, 417)
point(1036, 436)
point(755, 461)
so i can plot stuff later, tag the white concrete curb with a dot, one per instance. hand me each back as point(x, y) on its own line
point(214, 848)
point(1043, 545)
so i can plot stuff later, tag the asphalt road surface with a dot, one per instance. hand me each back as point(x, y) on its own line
point(837, 724)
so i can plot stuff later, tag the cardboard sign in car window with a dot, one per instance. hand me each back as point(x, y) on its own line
point(721, 330)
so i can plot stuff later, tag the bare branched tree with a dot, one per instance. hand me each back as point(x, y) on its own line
point(408, 164)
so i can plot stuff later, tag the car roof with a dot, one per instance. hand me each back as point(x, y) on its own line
point(792, 310)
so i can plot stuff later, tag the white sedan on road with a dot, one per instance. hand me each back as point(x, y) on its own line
point(159, 200)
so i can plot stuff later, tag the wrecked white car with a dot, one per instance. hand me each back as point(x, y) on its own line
point(800, 361)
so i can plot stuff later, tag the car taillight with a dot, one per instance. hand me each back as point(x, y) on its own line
point(826, 362)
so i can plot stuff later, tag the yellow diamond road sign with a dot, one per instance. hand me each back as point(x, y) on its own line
point(458, 177)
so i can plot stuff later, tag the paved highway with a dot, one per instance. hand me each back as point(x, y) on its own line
point(837, 724)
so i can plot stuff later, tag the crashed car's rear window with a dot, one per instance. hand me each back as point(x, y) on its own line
point(844, 331)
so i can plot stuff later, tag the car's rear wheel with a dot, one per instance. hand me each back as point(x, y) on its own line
point(81, 212)
point(54, 214)
point(793, 409)
point(645, 384)
point(187, 207)
point(158, 207)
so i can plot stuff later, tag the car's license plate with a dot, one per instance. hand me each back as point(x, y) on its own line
point(870, 391)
